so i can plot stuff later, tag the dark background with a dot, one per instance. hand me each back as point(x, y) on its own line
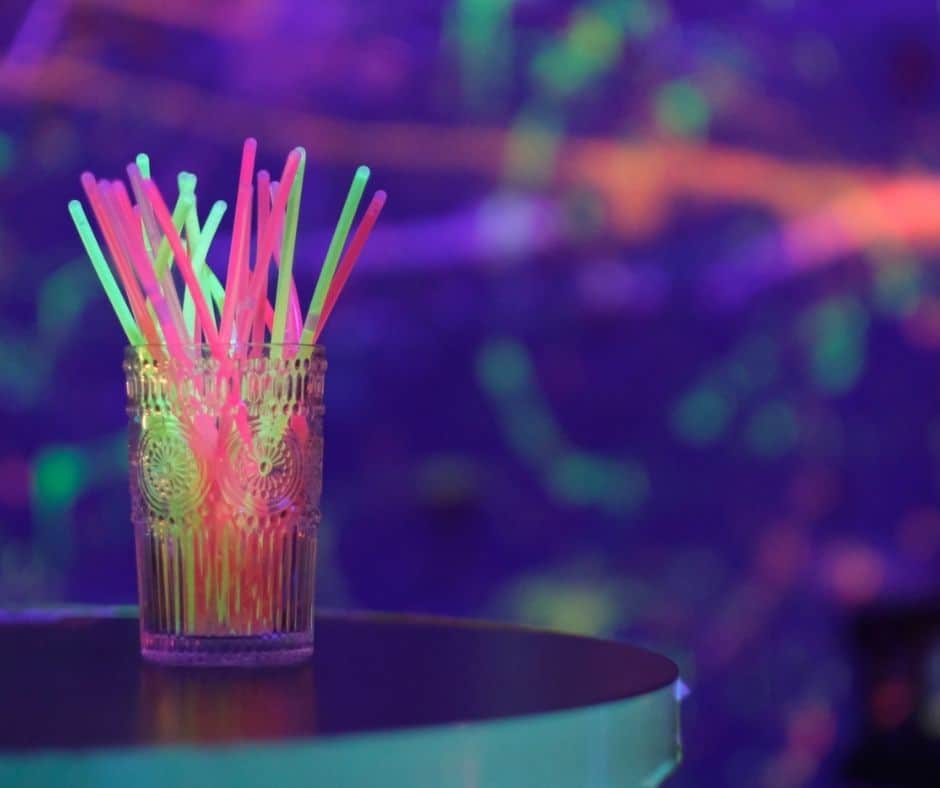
point(644, 345)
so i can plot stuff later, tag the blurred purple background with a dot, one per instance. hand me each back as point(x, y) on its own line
point(645, 344)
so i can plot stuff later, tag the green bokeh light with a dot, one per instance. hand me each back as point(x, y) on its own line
point(593, 43)
point(773, 429)
point(58, 477)
point(564, 606)
point(682, 108)
point(6, 153)
point(532, 147)
point(63, 295)
point(585, 479)
point(534, 433)
point(23, 370)
point(639, 18)
point(484, 35)
point(504, 368)
point(701, 415)
point(594, 37)
point(837, 330)
point(505, 372)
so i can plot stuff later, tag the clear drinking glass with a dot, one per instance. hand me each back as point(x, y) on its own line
point(226, 460)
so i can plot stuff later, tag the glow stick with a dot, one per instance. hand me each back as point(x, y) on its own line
point(191, 225)
point(333, 252)
point(152, 232)
point(295, 324)
point(258, 286)
point(143, 164)
point(164, 256)
point(105, 276)
point(125, 271)
point(202, 307)
point(200, 240)
point(285, 272)
point(349, 259)
point(237, 271)
point(172, 236)
point(122, 214)
point(261, 263)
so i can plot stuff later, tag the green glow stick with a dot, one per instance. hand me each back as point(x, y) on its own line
point(186, 182)
point(161, 265)
point(105, 276)
point(286, 271)
point(190, 563)
point(332, 255)
point(165, 255)
point(222, 611)
point(200, 240)
point(192, 241)
point(216, 288)
point(143, 164)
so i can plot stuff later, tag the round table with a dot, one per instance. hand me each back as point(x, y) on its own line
point(388, 700)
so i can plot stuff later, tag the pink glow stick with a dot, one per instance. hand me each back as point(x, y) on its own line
point(258, 284)
point(125, 271)
point(238, 252)
point(349, 258)
point(118, 203)
point(167, 285)
point(295, 323)
point(264, 208)
point(261, 264)
point(268, 315)
point(146, 215)
point(165, 221)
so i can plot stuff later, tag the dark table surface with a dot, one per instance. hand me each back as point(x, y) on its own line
point(78, 681)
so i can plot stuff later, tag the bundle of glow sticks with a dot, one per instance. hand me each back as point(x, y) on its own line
point(146, 239)
point(168, 301)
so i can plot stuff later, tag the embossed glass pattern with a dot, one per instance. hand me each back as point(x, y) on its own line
point(225, 478)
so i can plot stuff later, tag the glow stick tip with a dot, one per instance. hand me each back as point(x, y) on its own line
point(143, 164)
point(249, 150)
point(362, 171)
point(186, 182)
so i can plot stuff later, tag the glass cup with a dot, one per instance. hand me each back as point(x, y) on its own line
point(226, 464)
